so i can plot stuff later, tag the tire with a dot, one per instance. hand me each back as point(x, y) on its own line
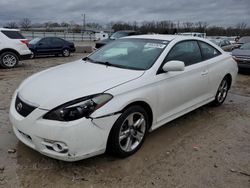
point(66, 52)
point(222, 92)
point(129, 132)
point(8, 60)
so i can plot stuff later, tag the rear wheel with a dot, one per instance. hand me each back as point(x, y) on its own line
point(8, 60)
point(128, 132)
point(222, 92)
point(66, 52)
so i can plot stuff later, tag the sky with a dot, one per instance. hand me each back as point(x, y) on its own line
point(214, 12)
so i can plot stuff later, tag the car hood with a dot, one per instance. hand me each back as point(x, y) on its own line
point(240, 52)
point(70, 81)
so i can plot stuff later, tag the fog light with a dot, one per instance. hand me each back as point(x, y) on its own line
point(56, 146)
point(59, 147)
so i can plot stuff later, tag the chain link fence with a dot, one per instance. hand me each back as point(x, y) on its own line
point(67, 36)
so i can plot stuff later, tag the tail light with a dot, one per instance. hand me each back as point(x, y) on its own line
point(26, 42)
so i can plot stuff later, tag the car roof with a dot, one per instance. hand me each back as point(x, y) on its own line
point(163, 37)
point(7, 29)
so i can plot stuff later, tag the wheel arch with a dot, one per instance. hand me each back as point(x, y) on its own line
point(10, 50)
point(145, 106)
point(228, 76)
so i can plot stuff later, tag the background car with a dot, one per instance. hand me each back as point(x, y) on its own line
point(13, 47)
point(143, 82)
point(242, 56)
point(241, 41)
point(51, 46)
point(116, 35)
point(224, 44)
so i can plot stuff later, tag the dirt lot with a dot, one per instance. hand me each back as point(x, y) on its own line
point(209, 147)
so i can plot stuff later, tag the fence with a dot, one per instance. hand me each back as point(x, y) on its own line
point(67, 36)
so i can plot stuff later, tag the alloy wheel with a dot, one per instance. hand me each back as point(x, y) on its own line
point(132, 132)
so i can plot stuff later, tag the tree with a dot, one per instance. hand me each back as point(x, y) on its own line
point(188, 26)
point(11, 25)
point(240, 27)
point(201, 26)
point(25, 24)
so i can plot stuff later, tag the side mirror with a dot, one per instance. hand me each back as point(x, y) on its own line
point(40, 44)
point(173, 66)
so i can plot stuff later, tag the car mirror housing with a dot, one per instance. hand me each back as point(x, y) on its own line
point(173, 66)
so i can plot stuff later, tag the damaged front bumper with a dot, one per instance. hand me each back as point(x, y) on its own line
point(68, 141)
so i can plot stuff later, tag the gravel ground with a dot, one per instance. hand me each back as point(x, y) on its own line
point(209, 147)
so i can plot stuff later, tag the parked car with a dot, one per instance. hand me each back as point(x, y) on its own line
point(51, 46)
point(242, 56)
point(241, 41)
point(13, 48)
point(224, 44)
point(116, 35)
point(143, 82)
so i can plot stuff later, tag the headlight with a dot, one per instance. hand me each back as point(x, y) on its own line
point(78, 108)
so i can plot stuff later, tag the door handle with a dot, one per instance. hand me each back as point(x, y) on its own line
point(204, 73)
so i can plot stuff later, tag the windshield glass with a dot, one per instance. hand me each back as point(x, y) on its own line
point(136, 54)
point(34, 41)
point(245, 46)
point(118, 35)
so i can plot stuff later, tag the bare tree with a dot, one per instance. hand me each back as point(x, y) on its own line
point(201, 26)
point(25, 24)
point(240, 27)
point(11, 25)
point(188, 26)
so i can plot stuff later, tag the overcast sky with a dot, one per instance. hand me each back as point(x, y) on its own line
point(215, 12)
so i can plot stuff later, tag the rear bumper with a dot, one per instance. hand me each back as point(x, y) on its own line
point(26, 56)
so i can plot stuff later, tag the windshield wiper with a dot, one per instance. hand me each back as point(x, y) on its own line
point(108, 64)
point(88, 59)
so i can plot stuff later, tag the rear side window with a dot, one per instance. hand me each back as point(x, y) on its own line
point(13, 34)
point(187, 51)
point(57, 41)
point(208, 51)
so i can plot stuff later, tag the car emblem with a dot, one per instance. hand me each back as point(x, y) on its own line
point(19, 106)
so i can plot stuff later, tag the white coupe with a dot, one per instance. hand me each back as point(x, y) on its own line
point(111, 99)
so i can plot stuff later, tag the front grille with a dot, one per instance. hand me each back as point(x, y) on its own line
point(23, 108)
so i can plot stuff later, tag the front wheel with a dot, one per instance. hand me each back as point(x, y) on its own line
point(221, 92)
point(8, 60)
point(128, 132)
point(66, 52)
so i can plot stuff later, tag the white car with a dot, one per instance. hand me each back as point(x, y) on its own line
point(110, 100)
point(13, 47)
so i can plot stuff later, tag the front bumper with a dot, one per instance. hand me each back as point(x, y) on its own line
point(243, 64)
point(82, 138)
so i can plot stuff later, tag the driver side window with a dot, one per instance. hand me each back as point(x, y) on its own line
point(187, 51)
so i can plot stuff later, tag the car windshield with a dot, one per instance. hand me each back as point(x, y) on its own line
point(245, 46)
point(136, 54)
point(118, 35)
point(34, 41)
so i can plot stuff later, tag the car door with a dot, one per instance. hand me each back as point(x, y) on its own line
point(179, 91)
point(216, 65)
point(56, 45)
point(43, 47)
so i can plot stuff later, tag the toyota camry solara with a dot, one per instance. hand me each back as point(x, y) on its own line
point(111, 99)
